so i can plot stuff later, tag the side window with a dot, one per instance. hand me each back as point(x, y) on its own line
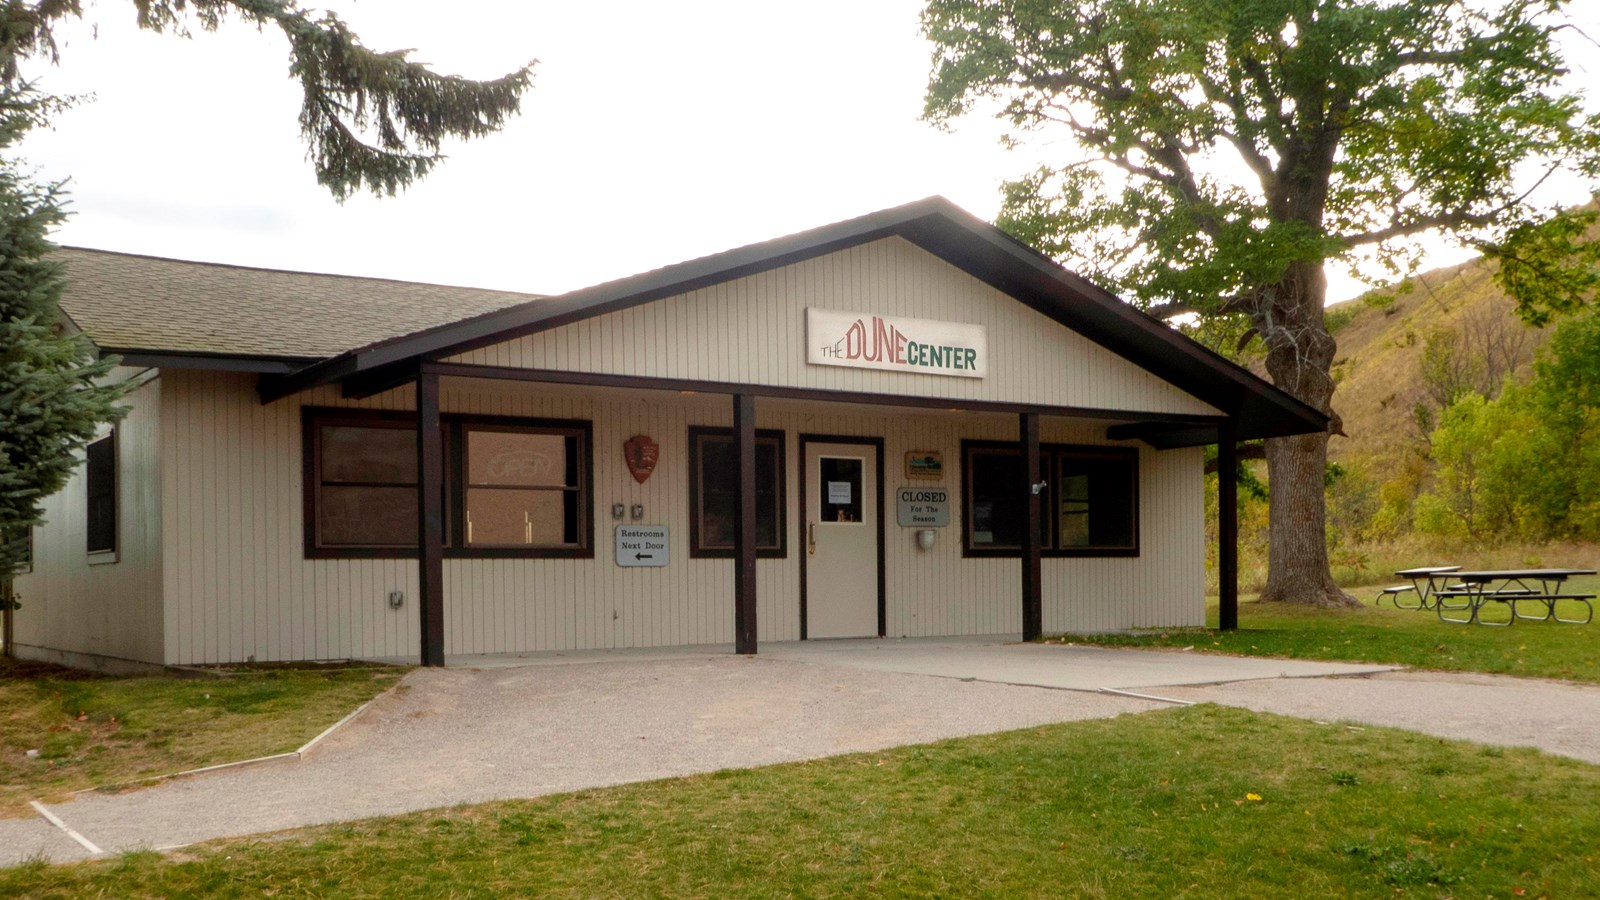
point(1091, 500)
point(101, 478)
point(713, 493)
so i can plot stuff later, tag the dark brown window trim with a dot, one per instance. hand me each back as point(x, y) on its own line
point(311, 416)
point(1052, 453)
point(782, 500)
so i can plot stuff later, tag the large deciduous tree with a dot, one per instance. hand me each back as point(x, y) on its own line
point(373, 121)
point(1223, 151)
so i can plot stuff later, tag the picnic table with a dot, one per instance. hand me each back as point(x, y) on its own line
point(1423, 584)
point(1475, 589)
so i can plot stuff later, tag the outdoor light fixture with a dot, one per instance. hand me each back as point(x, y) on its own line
point(1039, 488)
point(925, 538)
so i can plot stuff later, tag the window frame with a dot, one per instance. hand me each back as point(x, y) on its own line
point(1053, 457)
point(455, 489)
point(455, 427)
point(780, 501)
point(99, 555)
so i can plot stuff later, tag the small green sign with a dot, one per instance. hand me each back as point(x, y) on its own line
point(927, 464)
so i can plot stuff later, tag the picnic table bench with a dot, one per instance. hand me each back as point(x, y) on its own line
point(1476, 589)
point(1422, 584)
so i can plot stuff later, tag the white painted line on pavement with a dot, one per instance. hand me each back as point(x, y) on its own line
point(53, 819)
point(1147, 697)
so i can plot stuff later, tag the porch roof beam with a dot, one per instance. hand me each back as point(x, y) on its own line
point(650, 383)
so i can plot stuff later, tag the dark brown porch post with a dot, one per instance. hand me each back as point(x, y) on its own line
point(1228, 525)
point(430, 520)
point(744, 524)
point(1032, 592)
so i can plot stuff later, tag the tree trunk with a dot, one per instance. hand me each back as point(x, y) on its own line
point(1299, 359)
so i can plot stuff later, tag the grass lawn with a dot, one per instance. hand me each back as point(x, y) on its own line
point(1199, 802)
point(92, 730)
point(1386, 635)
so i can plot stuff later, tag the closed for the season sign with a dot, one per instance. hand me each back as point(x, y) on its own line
point(866, 341)
point(922, 507)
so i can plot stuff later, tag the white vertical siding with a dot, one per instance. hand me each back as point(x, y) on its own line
point(752, 330)
point(238, 585)
point(110, 610)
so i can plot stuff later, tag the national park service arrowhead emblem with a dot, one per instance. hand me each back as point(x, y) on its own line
point(641, 452)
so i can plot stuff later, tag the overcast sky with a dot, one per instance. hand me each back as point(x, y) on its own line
point(655, 133)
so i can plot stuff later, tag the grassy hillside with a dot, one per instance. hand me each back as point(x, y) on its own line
point(1382, 341)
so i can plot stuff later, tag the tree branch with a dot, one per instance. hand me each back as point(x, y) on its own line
point(1443, 220)
point(1245, 451)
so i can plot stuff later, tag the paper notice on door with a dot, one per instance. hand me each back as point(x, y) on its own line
point(839, 492)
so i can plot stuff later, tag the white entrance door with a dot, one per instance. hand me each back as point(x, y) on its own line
point(841, 537)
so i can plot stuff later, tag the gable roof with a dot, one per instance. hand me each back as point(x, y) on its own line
point(934, 224)
point(150, 305)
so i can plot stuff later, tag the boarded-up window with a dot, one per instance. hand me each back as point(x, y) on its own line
point(1090, 501)
point(524, 487)
point(508, 488)
point(367, 481)
point(101, 478)
point(713, 491)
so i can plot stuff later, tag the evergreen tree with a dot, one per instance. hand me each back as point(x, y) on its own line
point(371, 120)
point(50, 400)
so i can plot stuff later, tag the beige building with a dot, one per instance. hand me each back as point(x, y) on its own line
point(906, 424)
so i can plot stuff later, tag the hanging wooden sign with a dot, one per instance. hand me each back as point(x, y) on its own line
point(641, 453)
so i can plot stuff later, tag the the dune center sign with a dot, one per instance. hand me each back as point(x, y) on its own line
point(920, 346)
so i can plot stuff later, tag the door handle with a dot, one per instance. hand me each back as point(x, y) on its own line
point(811, 540)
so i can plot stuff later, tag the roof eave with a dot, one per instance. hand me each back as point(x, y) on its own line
point(935, 225)
point(207, 360)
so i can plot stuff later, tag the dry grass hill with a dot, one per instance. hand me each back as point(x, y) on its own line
point(1401, 348)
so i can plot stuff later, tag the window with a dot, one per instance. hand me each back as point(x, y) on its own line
point(512, 487)
point(840, 499)
point(101, 479)
point(367, 484)
point(1090, 501)
point(523, 487)
point(713, 491)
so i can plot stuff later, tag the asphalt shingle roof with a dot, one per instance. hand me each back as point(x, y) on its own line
point(130, 302)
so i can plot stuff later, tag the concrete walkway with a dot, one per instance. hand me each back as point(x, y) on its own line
point(524, 727)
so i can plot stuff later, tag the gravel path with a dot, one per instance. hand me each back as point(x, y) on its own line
point(465, 736)
point(469, 735)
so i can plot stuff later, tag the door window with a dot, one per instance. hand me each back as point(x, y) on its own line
point(839, 480)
